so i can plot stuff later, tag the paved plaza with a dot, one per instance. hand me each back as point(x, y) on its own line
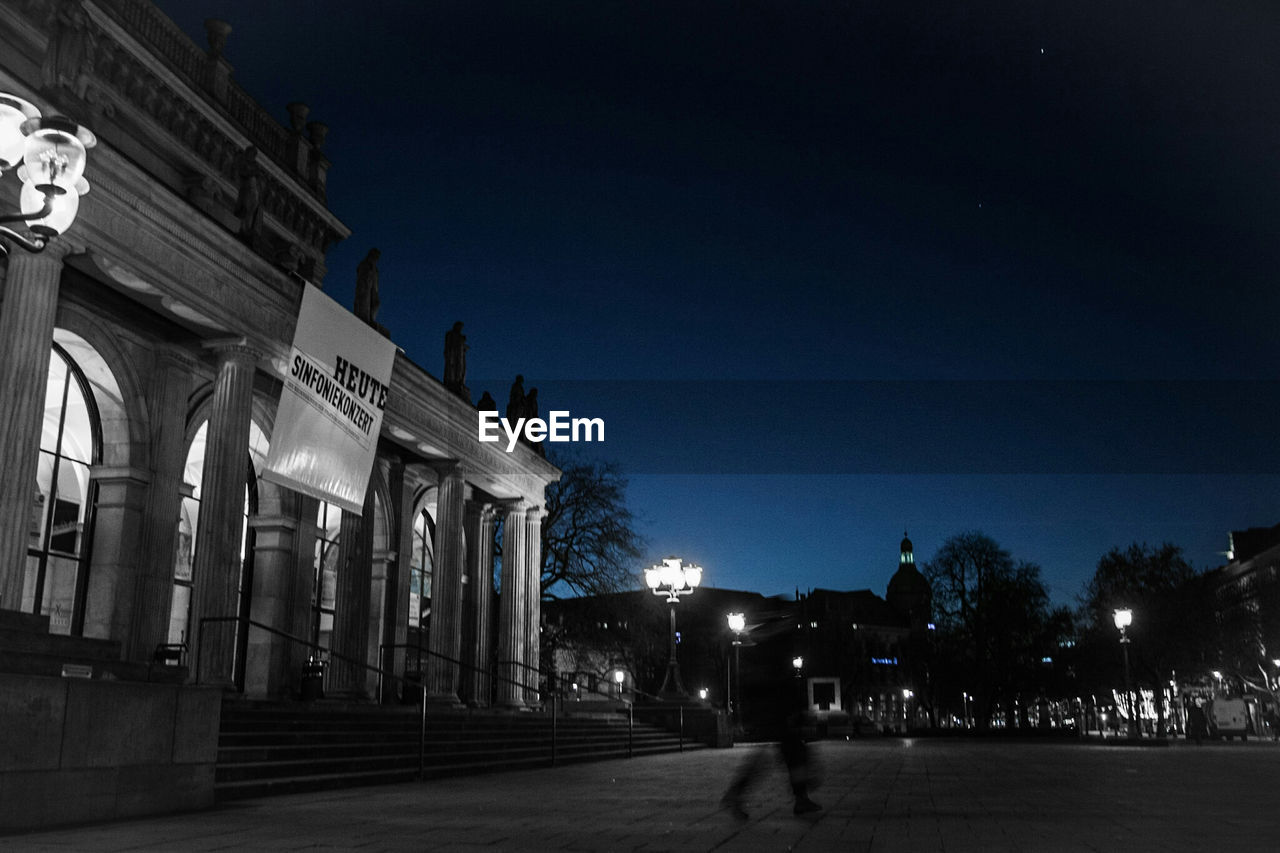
point(878, 795)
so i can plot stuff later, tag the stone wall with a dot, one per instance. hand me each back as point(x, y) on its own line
point(76, 750)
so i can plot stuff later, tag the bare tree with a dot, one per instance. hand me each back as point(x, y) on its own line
point(589, 543)
point(994, 622)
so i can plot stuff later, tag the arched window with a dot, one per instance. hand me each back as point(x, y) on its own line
point(421, 570)
point(61, 517)
point(324, 592)
point(188, 523)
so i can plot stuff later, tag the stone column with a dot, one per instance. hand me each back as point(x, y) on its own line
point(445, 637)
point(395, 605)
point(533, 602)
point(480, 524)
point(351, 606)
point(117, 521)
point(268, 672)
point(153, 584)
point(303, 587)
point(512, 628)
point(216, 571)
point(26, 336)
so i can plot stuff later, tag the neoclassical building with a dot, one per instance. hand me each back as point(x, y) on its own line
point(141, 363)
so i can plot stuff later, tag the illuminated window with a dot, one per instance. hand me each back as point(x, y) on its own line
point(421, 570)
point(324, 590)
point(57, 547)
point(188, 523)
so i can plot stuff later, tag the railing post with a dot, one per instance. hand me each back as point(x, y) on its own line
point(422, 734)
point(682, 728)
point(554, 730)
point(631, 726)
point(199, 648)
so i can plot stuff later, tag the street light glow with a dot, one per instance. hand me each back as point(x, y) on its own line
point(1123, 618)
point(737, 622)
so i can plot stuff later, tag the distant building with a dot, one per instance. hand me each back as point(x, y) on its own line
point(871, 653)
point(1247, 600)
point(863, 658)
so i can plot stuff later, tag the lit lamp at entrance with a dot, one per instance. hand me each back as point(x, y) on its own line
point(48, 156)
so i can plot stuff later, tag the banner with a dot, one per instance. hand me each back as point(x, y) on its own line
point(330, 414)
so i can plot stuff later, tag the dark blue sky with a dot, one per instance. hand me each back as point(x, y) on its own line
point(736, 228)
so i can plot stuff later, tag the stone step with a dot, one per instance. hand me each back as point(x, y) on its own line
point(268, 750)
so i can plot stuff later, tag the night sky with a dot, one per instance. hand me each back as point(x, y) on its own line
point(830, 270)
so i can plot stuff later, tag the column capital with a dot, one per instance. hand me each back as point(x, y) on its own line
point(446, 467)
point(512, 507)
point(236, 349)
point(54, 252)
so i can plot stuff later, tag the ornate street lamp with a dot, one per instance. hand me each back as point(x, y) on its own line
point(737, 624)
point(673, 579)
point(1124, 618)
point(48, 155)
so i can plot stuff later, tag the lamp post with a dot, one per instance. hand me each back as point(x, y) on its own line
point(48, 155)
point(1124, 618)
point(673, 579)
point(737, 624)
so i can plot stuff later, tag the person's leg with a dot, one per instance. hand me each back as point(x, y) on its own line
point(748, 771)
point(796, 756)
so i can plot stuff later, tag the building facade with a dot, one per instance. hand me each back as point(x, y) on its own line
point(141, 361)
point(1246, 597)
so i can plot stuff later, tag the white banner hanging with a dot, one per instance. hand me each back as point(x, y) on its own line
point(335, 389)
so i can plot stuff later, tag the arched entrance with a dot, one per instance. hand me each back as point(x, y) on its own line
point(61, 524)
point(180, 627)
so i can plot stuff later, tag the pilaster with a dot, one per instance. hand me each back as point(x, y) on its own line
point(351, 607)
point(26, 336)
point(153, 583)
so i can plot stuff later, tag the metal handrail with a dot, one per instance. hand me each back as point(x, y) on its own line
point(492, 673)
point(422, 727)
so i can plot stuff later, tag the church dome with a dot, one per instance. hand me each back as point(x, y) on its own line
point(909, 591)
point(907, 581)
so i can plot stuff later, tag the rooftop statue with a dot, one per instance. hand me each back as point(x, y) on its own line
point(367, 300)
point(455, 358)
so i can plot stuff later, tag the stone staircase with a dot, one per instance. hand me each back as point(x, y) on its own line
point(275, 748)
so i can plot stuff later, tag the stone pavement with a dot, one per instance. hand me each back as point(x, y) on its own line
point(878, 794)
